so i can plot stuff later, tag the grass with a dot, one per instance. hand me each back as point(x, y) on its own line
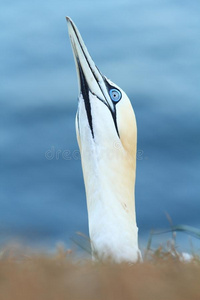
point(162, 276)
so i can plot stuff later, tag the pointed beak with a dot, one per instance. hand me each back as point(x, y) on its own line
point(88, 74)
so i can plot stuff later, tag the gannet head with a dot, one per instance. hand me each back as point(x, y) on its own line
point(105, 116)
point(107, 137)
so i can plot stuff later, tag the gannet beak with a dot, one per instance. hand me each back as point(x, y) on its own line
point(89, 77)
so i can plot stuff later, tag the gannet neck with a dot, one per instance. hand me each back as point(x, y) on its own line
point(111, 207)
point(109, 176)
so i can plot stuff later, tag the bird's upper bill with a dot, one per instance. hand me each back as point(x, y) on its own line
point(88, 73)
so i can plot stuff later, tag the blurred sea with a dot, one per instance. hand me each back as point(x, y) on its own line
point(150, 48)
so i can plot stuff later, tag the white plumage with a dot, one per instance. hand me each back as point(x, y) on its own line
point(107, 137)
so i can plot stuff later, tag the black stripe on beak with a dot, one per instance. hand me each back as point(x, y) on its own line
point(85, 93)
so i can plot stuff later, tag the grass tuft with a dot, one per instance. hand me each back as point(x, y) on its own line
point(41, 276)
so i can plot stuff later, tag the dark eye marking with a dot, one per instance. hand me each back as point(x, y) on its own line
point(113, 92)
point(85, 93)
point(115, 96)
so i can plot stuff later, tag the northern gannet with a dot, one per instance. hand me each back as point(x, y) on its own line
point(107, 137)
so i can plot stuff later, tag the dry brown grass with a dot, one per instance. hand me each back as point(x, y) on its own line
point(26, 276)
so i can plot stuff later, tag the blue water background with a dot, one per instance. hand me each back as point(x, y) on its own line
point(150, 48)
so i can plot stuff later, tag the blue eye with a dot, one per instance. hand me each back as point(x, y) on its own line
point(115, 95)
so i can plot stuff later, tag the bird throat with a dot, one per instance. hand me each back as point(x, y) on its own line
point(110, 185)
